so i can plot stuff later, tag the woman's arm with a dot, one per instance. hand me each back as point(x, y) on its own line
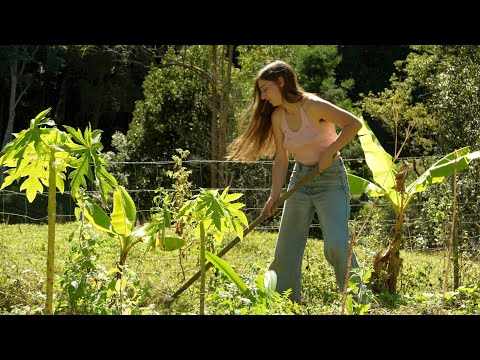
point(280, 166)
point(350, 124)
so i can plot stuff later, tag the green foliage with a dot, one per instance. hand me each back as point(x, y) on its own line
point(120, 225)
point(213, 215)
point(218, 212)
point(317, 73)
point(83, 281)
point(359, 298)
point(159, 227)
point(434, 95)
point(223, 266)
point(260, 299)
point(181, 179)
point(175, 111)
point(384, 171)
point(28, 156)
point(22, 262)
point(447, 77)
point(43, 154)
point(402, 117)
point(255, 296)
point(167, 205)
point(89, 288)
point(119, 142)
point(87, 150)
point(391, 184)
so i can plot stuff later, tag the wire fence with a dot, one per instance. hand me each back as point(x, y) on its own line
point(427, 223)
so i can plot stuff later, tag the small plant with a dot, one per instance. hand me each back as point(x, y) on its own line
point(260, 299)
point(252, 295)
point(359, 298)
point(89, 288)
point(120, 225)
point(159, 229)
point(83, 286)
point(181, 183)
point(213, 214)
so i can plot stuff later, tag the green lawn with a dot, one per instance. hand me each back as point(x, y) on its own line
point(23, 250)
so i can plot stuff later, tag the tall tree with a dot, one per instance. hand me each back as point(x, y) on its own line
point(19, 58)
point(434, 92)
point(174, 113)
point(225, 113)
point(214, 128)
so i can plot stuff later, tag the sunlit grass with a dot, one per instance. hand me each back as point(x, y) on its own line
point(23, 252)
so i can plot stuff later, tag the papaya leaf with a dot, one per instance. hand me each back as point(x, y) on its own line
point(82, 170)
point(32, 185)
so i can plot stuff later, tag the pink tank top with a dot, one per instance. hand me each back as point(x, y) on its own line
point(308, 143)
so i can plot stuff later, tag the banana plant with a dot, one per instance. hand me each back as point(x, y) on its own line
point(213, 215)
point(389, 181)
point(41, 154)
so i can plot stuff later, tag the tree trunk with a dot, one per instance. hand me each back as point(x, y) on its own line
point(15, 75)
point(62, 101)
point(395, 261)
point(11, 108)
point(52, 185)
point(214, 127)
point(7, 137)
point(456, 258)
point(224, 116)
point(99, 103)
point(389, 260)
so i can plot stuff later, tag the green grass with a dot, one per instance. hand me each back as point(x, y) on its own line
point(23, 251)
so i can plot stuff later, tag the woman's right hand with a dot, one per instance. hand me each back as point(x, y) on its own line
point(269, 209)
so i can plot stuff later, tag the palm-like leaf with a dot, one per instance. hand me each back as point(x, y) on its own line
point(383, 170)
point(124, 212)
point(457, 160)
point(380, 163)
point(223, 266)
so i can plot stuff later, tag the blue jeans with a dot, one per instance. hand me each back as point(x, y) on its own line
point(328, 195)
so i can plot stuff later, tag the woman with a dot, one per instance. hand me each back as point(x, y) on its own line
point(286, 119)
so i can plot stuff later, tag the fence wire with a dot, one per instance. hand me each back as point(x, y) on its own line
point(426, 226)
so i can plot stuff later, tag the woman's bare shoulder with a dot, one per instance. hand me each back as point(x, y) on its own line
point(314, 104)
point(313, 100)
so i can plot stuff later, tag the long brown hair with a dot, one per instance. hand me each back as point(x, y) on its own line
point(257, 139)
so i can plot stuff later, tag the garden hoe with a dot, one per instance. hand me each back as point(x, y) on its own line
point(169, 299)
